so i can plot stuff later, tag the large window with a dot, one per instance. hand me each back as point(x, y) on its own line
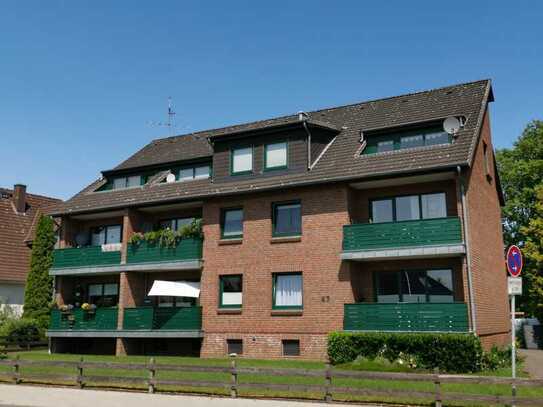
point(415, 286)
point(406, 139)
point(287, 219)
point(106, 235)
point(275, 156)
point(103, 295)
point(176, 224)
point(232, 223)
point(193, 173)
point(242, 161)
point(410, 207)
point(287, 291)
point(231, 291)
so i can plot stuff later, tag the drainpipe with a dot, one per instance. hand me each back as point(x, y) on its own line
point(302, 116)
point(468, 251)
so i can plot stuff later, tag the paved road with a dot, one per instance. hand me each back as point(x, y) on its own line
point(533, 362)
point(34, 396)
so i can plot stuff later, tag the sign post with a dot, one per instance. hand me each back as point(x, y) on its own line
point(514, 288)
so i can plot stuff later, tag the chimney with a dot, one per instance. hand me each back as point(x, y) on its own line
point(19, 198)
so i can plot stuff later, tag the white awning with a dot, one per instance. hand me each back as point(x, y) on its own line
point(175, 289)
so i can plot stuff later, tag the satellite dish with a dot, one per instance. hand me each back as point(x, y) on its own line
point(451, 125)
point(82, 239)
point(170, 178)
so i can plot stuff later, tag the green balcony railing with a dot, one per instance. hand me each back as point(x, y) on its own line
point(101, 319)
point(411, 233)
point(177, 318)
point(91, 256)
point(406, 317)
point(185, 250)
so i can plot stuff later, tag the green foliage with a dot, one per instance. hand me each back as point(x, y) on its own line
point(168, 237)
point(6, 313)
point(458, 353)
point(39, 284)
point(497, 358)
point(521, 175)
point(21, 330)
point(533, 250)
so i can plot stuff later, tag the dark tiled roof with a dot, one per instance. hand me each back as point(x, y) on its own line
point(341, 161)
point(16, 231)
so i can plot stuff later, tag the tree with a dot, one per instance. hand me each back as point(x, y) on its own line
point(533, 250)
point(39, 284)
point(521, 174)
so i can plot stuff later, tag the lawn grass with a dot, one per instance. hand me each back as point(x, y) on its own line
point(364, 365)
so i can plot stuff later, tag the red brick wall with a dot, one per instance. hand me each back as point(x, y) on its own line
point(486, 246)
point(326, 280)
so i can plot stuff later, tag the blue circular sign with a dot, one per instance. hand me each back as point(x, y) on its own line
point(514, 261)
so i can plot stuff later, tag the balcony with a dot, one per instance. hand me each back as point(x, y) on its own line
point(101, 319)
point(406, 317)
point(187, 254)
point(81, 258)
point(152, 319)
point(407, 239)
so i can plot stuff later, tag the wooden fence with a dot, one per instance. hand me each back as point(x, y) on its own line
point(233, 385)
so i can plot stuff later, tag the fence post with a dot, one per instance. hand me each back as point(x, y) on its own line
point(233, 379)
point(151, 388)
point(80, 383)
point(437, 382)
point(328, 383)
point(16, 374)
point(513, 393)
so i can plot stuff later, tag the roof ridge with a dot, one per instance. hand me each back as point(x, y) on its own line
point(196, 133)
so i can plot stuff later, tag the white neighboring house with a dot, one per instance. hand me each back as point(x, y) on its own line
point(19, 214)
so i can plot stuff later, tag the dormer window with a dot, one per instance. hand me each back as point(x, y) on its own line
point(276, 156)
point(406, 138)
point(127, 182)
point(193, 173)
point(241, 161)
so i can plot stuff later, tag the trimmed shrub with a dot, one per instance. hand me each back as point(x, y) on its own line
point(455, 353)
point(21, 330)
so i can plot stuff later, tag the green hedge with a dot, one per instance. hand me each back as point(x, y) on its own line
point(458, 353)
point(21, 330)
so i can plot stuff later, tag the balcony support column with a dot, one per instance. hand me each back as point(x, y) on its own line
point(131, 224)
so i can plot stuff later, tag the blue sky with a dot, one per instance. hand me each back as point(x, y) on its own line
point(81, 80)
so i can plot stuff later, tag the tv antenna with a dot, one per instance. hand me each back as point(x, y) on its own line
point(170, 119)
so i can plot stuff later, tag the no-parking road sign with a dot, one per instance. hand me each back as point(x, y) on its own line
point(514, 261)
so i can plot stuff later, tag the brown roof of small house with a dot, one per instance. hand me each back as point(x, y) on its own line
point(341, 161)
point(16, 233)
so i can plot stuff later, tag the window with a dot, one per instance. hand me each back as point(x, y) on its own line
point(192, 173)
point(287, 291)
point(410, 207)
point(234, 346)
point(433, 206)
point(232, 223)
point(415, 286)
point(176, 224)
point(106, 234)
point(242, 161)
point(275, 156)
point(287, 219)
point(486, 163)
point(127, 182)
point(165, 301)
point(401, 139)
point(291, 347)
point(231, 291)
point(103, 295)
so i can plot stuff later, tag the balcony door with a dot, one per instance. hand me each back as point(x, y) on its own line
point(415, 286)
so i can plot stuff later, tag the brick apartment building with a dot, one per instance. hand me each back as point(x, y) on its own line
point(19, 214)
point(364, 217)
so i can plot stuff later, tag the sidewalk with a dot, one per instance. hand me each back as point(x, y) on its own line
point(533, 362)
point(34, 396)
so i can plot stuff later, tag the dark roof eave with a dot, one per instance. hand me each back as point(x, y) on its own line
point(451, 166)
point(150, 167)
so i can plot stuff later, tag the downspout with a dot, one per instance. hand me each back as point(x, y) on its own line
point(303, 118)
point(468, 251)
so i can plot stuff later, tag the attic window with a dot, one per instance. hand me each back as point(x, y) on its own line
point(406, 138)
point(130, 181)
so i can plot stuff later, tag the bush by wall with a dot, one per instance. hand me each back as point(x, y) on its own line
point(455, 353)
